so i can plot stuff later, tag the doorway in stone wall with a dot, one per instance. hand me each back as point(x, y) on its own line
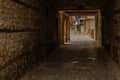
point(81, 23)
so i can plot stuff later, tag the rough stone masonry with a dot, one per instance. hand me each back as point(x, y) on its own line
point(21, 36)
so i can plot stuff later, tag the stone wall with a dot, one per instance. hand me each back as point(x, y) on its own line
point(111, 29)
point(51, 30)
point(22, 40)
point(115, 39)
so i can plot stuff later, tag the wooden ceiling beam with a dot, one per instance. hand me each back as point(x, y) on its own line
point(81, 13)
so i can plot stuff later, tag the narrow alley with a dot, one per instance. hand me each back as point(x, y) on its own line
point(59, 39)
point(79, 59)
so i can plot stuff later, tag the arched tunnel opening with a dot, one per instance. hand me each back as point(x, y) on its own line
point(59, 40)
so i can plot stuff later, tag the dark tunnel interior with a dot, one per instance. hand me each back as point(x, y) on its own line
point(59, 40)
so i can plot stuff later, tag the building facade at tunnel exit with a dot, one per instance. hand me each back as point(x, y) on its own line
point(30, 30)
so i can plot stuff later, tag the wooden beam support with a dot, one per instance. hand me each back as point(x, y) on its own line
point(81, 12)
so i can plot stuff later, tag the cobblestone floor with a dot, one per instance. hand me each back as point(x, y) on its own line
point(79, 59)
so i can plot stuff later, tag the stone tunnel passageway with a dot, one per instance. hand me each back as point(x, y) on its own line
point(79, 59)
point(35, 39)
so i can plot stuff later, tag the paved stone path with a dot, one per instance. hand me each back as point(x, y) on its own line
point(79, 59)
